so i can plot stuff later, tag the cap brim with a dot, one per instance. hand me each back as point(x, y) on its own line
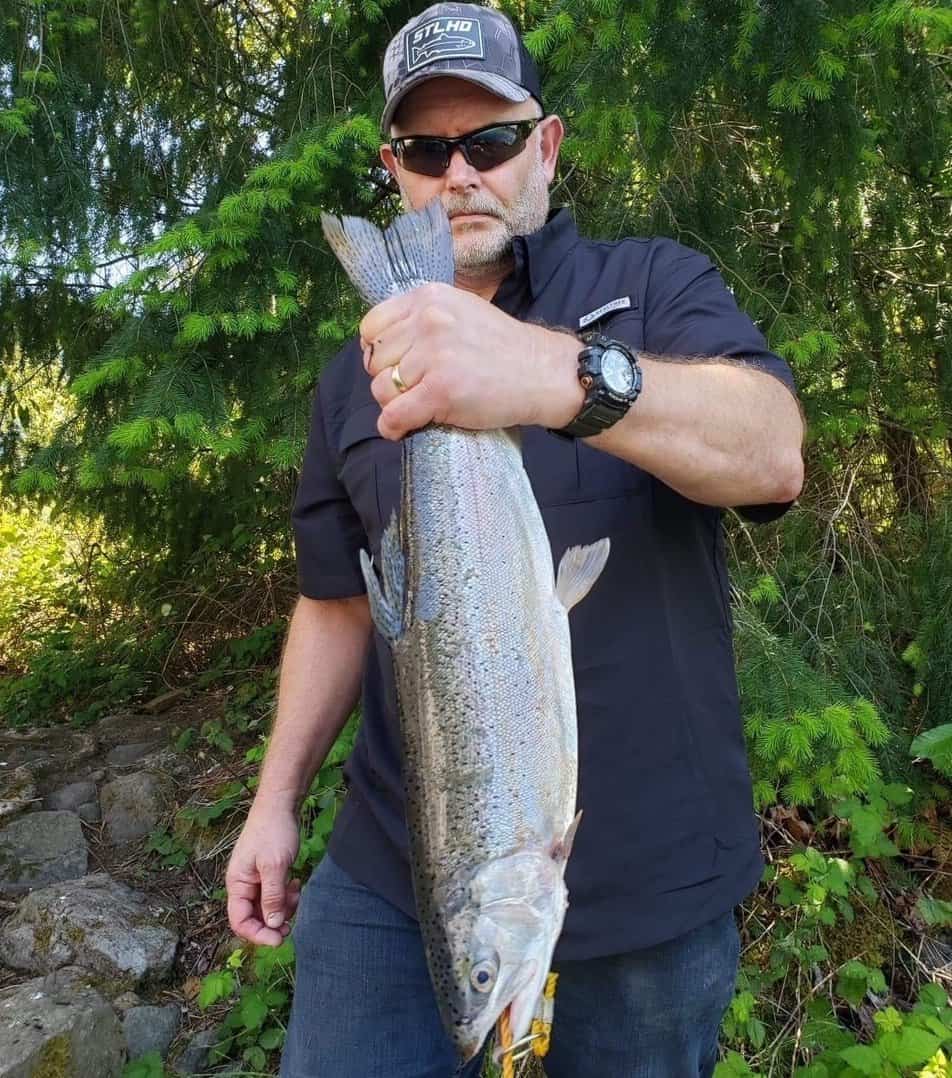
point(496, 84)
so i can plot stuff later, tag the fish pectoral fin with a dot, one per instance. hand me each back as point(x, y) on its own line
point(579, 568)
point(386, 595)
point(563, 847)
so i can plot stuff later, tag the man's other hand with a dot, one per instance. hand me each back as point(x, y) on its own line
point(260, 898)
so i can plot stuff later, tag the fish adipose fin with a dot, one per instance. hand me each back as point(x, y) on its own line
point(415, 249)
point(386, 595)
point(579, 568)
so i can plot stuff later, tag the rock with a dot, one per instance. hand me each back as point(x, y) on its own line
point(47, 749)
point(96, 776)
point(123, 755)
point(90, 812)
point(132, 806)
point(195, 1054)
point(59, 1026)
point(162, 703)
point(69, 798)
point(126, 1000)
point(95, 922)
point(150, 1029)
point(41, 848)
point(17, 791)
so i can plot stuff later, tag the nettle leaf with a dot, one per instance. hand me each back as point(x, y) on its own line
point(935, 911)
point(252, 1010)
point(863, 1058)
point(911, 1046)
point(935, 745)
point(219, 984)
point(271, 1038)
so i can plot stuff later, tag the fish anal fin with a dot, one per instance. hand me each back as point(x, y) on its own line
point(563, 847)
point(579, 568)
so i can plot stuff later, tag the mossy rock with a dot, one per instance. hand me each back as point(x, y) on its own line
point(56, 1059)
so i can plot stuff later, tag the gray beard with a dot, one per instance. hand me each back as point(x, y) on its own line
point(484, 250)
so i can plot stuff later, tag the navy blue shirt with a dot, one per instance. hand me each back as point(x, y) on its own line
point(668, 837)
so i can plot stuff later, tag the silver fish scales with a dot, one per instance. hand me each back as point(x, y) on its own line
point(478, 629)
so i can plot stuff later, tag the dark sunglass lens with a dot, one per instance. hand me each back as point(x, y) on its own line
point(491, 148)
point(424, 155)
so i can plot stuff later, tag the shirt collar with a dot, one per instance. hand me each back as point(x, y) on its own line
point(541, 253)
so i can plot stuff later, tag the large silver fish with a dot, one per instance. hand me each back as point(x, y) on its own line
point(478, 628)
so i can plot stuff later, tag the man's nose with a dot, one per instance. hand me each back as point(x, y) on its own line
point(460, 175)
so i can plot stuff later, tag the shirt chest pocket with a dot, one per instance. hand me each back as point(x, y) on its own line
point(567, 471)
point(369, 470)
point(628, 327)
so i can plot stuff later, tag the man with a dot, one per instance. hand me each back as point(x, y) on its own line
point(668, 844)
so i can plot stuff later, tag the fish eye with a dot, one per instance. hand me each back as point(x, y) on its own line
point(483, 976)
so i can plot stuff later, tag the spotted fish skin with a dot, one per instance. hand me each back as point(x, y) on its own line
point(478, 628)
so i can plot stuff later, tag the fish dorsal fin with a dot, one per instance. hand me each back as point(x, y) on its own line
point(579, 568)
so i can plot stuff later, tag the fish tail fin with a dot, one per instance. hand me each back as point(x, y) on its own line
point(386, 595)
point(415, 249)
point(579, 568)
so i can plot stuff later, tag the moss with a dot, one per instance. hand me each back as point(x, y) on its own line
point(56, 1059)
point(869, 937)
point(111, 987)
point(941, 884)
point(75, 934)
point(43, 933)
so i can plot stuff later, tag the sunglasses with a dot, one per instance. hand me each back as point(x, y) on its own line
point(484, 148)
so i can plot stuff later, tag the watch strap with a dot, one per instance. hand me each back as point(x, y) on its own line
point(602, 408)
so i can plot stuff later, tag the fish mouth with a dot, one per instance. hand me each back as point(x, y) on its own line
point(519, 993)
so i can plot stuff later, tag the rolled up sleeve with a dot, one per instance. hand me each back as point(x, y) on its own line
point(690, 312)
point(328, 534)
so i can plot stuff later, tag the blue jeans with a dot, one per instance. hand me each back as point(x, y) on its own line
point(363, 1005)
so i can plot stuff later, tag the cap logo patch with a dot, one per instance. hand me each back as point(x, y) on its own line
point(437, 39)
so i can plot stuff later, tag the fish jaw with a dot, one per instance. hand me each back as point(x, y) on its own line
point(500, 943)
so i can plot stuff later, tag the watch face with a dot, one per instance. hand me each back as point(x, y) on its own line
point(617, 372)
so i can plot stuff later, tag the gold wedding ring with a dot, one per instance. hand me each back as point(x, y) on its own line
point(402, 386)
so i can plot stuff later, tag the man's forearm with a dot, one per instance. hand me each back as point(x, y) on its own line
point(717, 431)
point(319, 685)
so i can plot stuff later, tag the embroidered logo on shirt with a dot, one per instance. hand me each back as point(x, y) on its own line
point(438, 38)
point(620, 304)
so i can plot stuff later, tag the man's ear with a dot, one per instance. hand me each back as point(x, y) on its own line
point(389, 161)
point(551, 136)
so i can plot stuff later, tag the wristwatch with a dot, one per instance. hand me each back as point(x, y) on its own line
point(609, 372)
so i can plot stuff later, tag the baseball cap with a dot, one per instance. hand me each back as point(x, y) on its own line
point(465, 41)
